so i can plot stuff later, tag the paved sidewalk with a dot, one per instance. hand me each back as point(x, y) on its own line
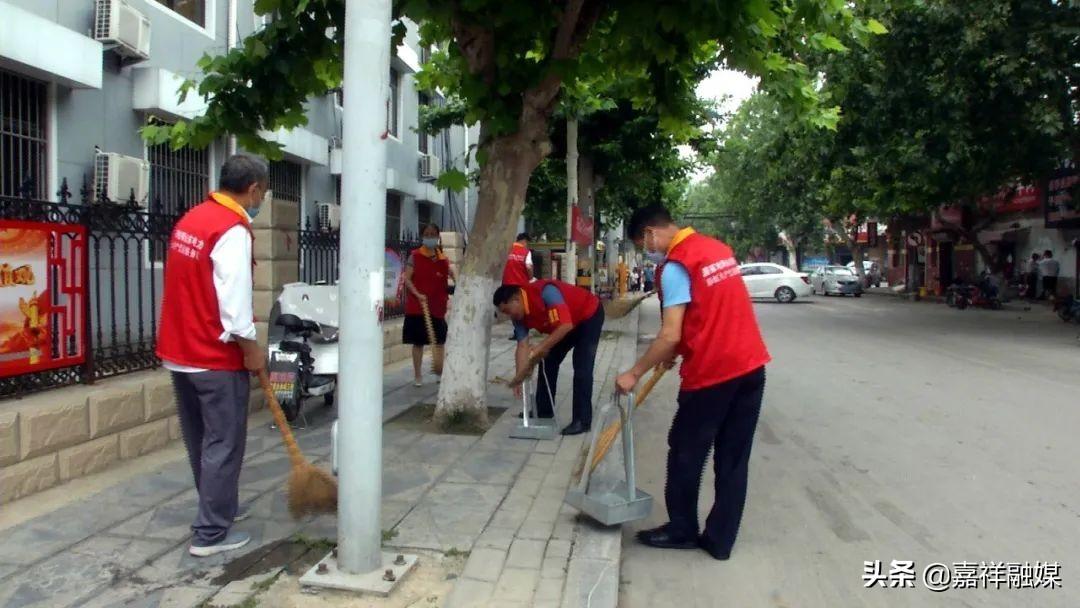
point(499, 497)
point(537, 551)
point(127, 545)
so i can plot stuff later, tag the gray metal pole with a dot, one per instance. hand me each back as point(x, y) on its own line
point(363, 224)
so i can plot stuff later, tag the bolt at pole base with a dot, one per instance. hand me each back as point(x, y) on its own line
point(380, 581)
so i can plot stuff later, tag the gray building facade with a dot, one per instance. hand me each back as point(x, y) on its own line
point(65, 96)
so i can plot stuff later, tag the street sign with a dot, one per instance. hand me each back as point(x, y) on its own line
point(914, 239)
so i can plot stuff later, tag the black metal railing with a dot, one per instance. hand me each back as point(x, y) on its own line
point(123, 270)
point(319, 254)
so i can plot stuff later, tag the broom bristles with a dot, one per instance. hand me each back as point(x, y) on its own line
point(436, 363)
point(311, 490)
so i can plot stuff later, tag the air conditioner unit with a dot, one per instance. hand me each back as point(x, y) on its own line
point(117, 178)
point(430, 167)
point(335, 161)
point(329, 217)
point(117, 23)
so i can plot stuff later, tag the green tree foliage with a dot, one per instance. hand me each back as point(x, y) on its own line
point(959, 100)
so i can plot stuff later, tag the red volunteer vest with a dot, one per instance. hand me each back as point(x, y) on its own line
point(190, 332)
point(581, 302)
point(430, 277)
point(516, 271)
point(720, 336)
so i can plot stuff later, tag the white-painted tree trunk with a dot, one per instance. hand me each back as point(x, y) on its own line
point(504, 178)
point(570, 272)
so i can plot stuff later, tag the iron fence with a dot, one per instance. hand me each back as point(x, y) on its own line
point(123, 284)
point(319, 252)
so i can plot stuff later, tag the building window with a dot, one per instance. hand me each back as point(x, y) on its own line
point(393, 216)
point(192, 10)
point(23, 137)
point(423, 138)
point(286, 180)
point(179, 179)
point(337, 189)
point(393, 105)
point(423, 215)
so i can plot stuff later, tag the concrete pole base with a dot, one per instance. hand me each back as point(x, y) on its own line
point(380, 582)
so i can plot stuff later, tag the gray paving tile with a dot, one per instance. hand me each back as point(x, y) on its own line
point(58, 581)
point(407, 480)
point(266, 471)
point(487, 466)
point(451, 515)
point(7, 570)
point(153, 488)
point(27, 544)
point(148, 596)
point(438, 449)
point(124, 553)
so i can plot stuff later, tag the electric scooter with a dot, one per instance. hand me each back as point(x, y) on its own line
point(303, 355)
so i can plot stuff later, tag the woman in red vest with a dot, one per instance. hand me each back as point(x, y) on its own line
point(709, 320)
point(427, 276)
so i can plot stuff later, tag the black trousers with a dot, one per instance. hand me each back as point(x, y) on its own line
point(721, 417)
point(584, 340)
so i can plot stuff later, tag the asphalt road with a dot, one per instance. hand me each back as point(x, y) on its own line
point(890, 430)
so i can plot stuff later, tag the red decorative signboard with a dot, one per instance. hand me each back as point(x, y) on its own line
point(582, 228)
point(42, 296)
point(1061, 209)
point(1024, 198)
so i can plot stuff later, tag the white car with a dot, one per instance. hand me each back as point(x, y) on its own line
point(765, 280)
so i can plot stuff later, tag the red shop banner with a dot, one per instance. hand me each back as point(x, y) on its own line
point(582, 228)
point(42, 296)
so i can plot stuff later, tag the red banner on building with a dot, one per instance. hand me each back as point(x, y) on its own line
point(1015, 199)
point(582, 228)
point(42, 296)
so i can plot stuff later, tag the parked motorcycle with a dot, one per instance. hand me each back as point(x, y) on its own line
point(983, 295)
point(303, 355)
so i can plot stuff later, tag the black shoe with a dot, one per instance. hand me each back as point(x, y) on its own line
point(663, 538)
point(712, 549)
point(576, 428)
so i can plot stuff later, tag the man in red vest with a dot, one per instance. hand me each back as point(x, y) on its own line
point(207, 340)
point(709, 321)
point(519, 264)
point(573, 318)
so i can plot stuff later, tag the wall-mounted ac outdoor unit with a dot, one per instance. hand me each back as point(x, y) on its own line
point(335, 161)
point(430, 167)
point(329, 217)
point(118, 178)
point(117, 23)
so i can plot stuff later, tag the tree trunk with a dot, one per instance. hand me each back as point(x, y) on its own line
point(587, 202)
point(570, 270)
point(504, 178)
point(852, 237)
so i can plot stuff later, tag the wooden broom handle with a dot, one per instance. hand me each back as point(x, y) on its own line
point(279, 419)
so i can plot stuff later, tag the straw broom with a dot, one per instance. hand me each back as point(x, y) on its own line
point(311, 489)
point(436, 360)
point(607, 438)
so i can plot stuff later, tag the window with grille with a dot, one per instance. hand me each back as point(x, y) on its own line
point(424, 139)
point(179, 179)
point(192, 10)
point(23, 137)
point(423, 216)
point(337, 189)
point(393, 216)
point(393, 105)
point(286, 180)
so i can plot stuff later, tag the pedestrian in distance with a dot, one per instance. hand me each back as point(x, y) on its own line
point(1031, 276)
point(709, 321)
point(519, 262)
point(1049, 268)
point(572, 318)
point(427, 282)
point(207, 341)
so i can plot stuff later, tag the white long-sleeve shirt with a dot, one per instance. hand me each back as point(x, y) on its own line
point(231, 258)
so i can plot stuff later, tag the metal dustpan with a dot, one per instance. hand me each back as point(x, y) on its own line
point(617, 501)
point(531, 427)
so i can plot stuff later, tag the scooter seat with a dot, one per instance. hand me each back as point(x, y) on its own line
point(317, 381)
point(291, 346)
point(295, 324)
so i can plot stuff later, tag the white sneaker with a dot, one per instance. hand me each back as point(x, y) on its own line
point(233, 540)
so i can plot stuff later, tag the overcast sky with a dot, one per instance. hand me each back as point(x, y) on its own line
point(724, 82)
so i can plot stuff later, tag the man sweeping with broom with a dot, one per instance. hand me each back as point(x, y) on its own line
point(708, 320)
point(207, 341)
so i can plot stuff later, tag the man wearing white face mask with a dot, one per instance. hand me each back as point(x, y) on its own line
point(709, 321)
point(207, 340)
